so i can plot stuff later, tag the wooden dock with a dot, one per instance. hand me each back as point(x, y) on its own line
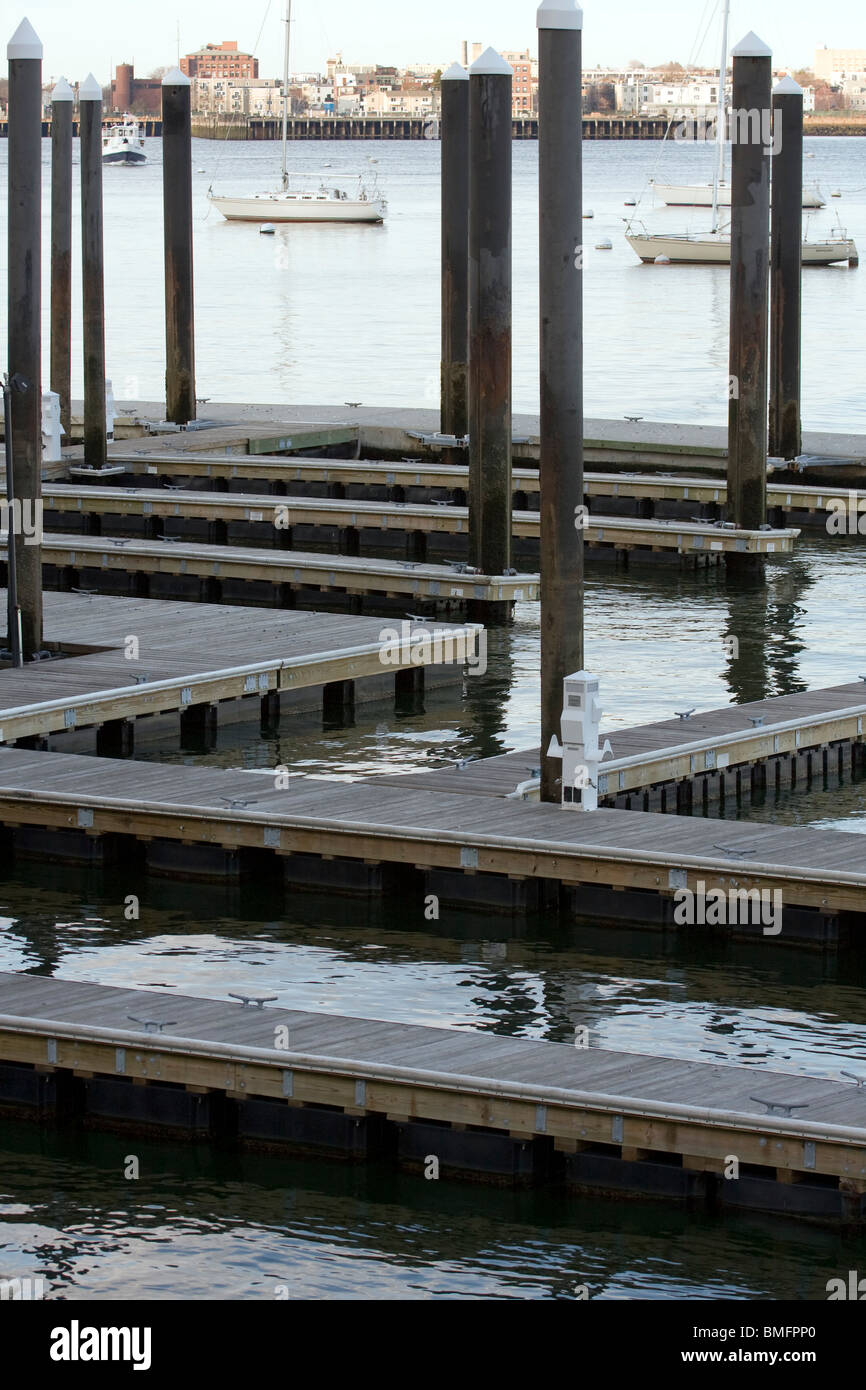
point(502, 1108)
point(215, 572)
point(272, 523)
point(615, 866)
point(679, 764)
point(695, 497)
point(231, 654)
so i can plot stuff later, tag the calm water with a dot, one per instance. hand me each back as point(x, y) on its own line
point(329, 314)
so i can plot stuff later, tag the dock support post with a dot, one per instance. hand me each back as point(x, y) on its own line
point(455, 251)
point(177, 222)
point(62, 99)
point(24, 317)
point(92, 272)
point(749, 313)
point(786, 269)
point(490, 314)
point(561, 302)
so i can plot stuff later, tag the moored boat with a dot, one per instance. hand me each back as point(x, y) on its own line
point(122, 143)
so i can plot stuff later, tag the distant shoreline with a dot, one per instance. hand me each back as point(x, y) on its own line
point(427, 128)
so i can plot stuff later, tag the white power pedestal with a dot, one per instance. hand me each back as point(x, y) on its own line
point(579, 750)
point(52, 430)
point(110, 410)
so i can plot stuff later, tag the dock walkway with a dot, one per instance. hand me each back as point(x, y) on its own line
point(504, 1105)
point(487, 850)
point(226, 654)
point(270, 521)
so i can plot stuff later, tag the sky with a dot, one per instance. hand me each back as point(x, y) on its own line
point(95, 35)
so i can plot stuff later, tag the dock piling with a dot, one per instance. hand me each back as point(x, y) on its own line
point(93, 273)
point(177, 222)
point(561, 302)
point(490, 139)
point(24, 316)
point(786, 268)
point(62, 99)
point(455, 251)
point(750, 257)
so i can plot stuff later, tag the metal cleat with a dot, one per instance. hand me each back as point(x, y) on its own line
point(253, 1001)
point(153, 1025)
point(780, 1107)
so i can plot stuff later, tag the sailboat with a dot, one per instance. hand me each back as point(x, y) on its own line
point(285, 204)
point(714, 247)
point(700, 195)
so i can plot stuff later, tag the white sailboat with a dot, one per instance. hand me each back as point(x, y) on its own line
point(322, 204)
point(700, 195)
point(714, 247)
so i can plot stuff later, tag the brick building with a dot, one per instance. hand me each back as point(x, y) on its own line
point(220, 60)
point(143, 96)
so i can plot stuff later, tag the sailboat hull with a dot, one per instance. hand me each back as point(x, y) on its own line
point(310, 208)
point(711, 250)
point(701, 195)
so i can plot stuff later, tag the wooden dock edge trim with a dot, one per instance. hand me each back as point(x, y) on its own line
point(269, 1061)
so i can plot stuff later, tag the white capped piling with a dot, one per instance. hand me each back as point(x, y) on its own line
point(751, 143)
point(786, 269)
point(490, 138)
point(92, 272)
point(560, 191)
point(454, 127)
point(62, 99)
point(24, 319)
point(177, 226)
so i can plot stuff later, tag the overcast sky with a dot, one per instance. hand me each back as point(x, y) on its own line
point(97, 34)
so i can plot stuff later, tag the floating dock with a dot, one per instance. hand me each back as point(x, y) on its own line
point(113, 661)
point(278, 578)
point(696, 759)
point(414, 480)
point(448, 1102)
point(270, 523)
point(617, 867)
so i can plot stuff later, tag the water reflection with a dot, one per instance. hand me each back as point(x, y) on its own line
point(202, 1225)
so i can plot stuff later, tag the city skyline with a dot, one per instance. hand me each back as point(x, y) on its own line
point(381, 34)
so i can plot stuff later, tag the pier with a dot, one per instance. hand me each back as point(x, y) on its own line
point(114, 661)
point(502, 1109)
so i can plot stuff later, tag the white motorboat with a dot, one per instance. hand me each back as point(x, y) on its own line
point(700, 195)
point(322, 204)
point(122, 143)
point(714, 248)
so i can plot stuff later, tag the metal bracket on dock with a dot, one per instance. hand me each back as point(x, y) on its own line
point(253, 1001)
point(780, 1107)
point(447, 441)
point(734, 853)
point(756, 720)
point(860, 1080)
point(153, 1025)
point(685, 713)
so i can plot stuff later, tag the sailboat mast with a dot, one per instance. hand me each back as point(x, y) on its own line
point(285, 171)
point(720, 116)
